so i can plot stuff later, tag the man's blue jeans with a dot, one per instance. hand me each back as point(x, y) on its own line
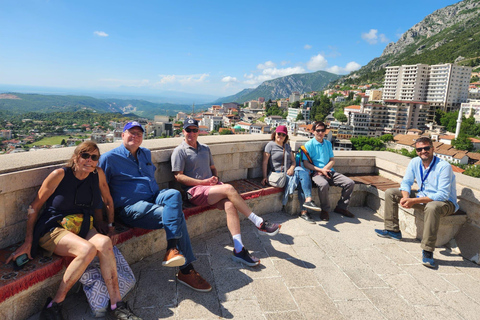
point(164, 210)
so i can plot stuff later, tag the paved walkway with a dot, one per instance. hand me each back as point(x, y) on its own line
point(329, 270)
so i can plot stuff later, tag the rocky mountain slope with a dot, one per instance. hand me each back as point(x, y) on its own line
point(448, 35)
point(284, 86)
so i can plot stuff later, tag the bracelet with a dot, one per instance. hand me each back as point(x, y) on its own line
point(111, 224)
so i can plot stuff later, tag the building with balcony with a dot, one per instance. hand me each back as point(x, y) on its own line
point(443, 85)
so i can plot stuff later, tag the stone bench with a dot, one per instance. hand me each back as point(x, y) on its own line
point(24, 292)
point(411, 220)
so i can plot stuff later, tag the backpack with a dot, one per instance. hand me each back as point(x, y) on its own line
point(301, 153)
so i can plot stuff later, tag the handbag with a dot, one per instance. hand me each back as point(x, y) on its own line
point(279, 179)
point(95, 288)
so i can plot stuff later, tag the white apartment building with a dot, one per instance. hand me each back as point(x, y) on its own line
point(448, 85)
point(212, 122)
point(442, 85)
point(471, 108)
point(407, 82)
point(293, 113)
point(294, 97)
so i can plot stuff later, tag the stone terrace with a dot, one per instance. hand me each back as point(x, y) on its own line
point(329, 270)
point(327, 258)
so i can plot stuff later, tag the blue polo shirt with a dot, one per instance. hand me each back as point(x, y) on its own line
point(130, 180)
point(321, 153)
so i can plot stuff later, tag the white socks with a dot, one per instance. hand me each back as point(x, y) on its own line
point(237, 242)
point(257, 221)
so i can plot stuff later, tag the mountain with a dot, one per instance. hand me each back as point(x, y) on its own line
point(448, 35)
point(19, 103)
point(283, 87)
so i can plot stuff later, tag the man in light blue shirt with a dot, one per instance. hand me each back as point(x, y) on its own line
point(140, 203)
point(436, 196)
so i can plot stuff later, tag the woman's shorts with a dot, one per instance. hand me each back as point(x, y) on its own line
point(51, 239)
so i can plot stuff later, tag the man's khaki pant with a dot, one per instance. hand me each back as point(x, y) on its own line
point(433, 211)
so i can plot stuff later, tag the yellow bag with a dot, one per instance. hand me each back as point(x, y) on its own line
point(73, 222)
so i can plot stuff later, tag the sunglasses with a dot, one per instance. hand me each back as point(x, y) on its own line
point(281, 134)
point(424, 148)
point(135, 133)
point(86, 156)
point(321, 130)
point(191, 130)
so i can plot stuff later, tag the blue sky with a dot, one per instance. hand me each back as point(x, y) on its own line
point(203, 47)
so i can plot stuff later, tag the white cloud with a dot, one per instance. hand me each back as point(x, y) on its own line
point(372, 37)
point(383, 38)
point(316, 63)
point(268, 64)
point(229, 79)
point(183, 79)
point(271, 73)
point(284, 62)
point(307, 47)
point(100, 34)
point(351, 66)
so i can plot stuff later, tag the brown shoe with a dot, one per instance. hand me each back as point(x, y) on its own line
point(173, 258)
point(344, 212)
point(194, 281)
point(324, 215)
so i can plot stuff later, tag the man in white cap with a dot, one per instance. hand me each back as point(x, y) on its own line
point(193, 167)
point(140, 203)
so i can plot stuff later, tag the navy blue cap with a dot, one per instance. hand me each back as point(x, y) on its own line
point(190, 122)
point(131, 125)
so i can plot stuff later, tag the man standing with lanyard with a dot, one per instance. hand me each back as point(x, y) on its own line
point(437, 197)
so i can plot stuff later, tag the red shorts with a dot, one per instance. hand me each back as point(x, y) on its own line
point(198, 195)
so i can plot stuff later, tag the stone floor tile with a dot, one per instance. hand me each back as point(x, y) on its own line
point(412, 290)
point(285, 315)
point(391, 305)
point(396, 253)
point(242, 309)
point(315, 300)
point(429, 278)
point(273, 295)
point(337, 284)
point(378, 262)
point(360, 273)
point(437, 313)
point(468, 285)
point(295, 274)
point(358, 309)
point(466, 307)
point(232, 284)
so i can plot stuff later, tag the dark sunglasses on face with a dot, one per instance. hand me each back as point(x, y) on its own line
point(427, 148)
point(191, 130)
point(281, 134)
point(321, 130)
point(86, 156)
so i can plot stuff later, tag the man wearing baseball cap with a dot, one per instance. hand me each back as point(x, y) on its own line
point(140, 203)
point(193, 167)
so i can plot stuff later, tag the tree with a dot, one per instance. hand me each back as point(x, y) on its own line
point(340, 116)
point(63, 143)
point(299, 116)
point(296, 104)
point(387, 137)
point(473, 171)
point(462, 143)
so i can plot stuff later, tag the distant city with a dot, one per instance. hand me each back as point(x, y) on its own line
point(403, 106)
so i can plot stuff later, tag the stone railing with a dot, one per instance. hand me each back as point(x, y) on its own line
point(236, 157)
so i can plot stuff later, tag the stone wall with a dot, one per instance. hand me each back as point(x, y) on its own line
point(236, 157)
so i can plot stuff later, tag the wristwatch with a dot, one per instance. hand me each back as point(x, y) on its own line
point(111, 224)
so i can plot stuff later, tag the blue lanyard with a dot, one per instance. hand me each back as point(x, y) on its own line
point(427, 172)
